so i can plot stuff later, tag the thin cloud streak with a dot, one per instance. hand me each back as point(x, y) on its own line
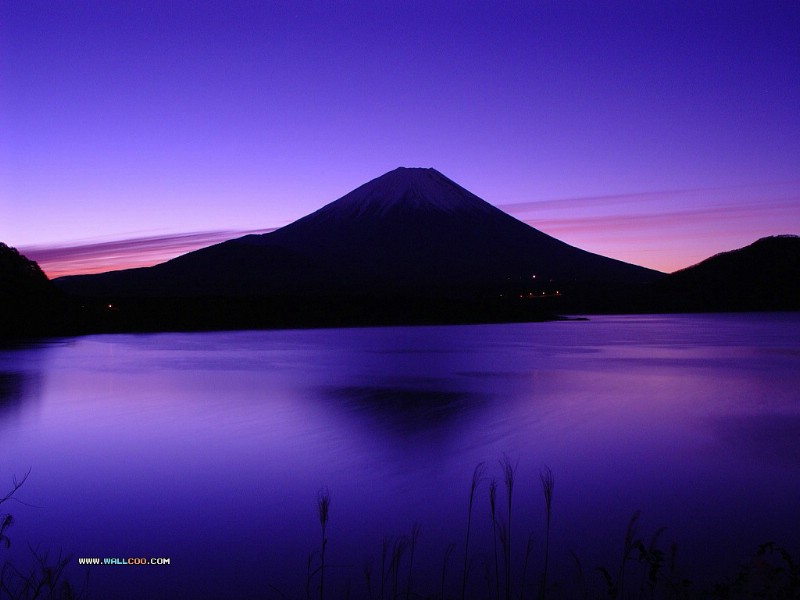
point(98, 257)
point(705, 216)
point(761, 192)
point(700, 222)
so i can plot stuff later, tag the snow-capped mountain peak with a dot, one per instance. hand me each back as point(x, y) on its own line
point(407, 189)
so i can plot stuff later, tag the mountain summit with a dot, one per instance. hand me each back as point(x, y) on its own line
point(411, 233)
point(404, 189)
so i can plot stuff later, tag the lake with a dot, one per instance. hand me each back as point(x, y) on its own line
point(210, 449)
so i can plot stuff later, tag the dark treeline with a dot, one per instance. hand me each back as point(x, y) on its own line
point(133, 314)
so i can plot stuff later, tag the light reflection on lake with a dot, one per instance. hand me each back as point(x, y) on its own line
point(210, 448)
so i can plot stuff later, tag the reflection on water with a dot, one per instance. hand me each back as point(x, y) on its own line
point(17, 389)
point(404, 410)
point(11, 390)
point(210, 448)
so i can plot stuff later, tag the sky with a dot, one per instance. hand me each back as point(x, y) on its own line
point(659, 133)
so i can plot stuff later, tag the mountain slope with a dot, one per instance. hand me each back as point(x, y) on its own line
point(411, 231)
point(29, 302)
point(762, 276)
point(417, 227)
point(20, 277)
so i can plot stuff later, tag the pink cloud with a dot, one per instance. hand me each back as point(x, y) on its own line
point(98, 257)
point(749, 195)
point(696, 218)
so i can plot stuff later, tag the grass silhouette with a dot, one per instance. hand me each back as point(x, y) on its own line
point(44, 577)
point(508, 477)
point(323, 506)
point(548, 483)
point(645, 570)
point(477, 475)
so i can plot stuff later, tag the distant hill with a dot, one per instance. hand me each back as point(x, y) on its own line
point(19, 276)
point(764, 276)
point(410, 245)
point(29, 303)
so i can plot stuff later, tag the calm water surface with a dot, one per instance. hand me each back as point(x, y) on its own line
point(210, 448)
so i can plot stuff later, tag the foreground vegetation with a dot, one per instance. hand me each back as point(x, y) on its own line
point(41, 576)
point(644, 568)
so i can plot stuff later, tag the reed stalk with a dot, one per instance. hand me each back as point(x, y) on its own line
point(528, 551)
point(654, 557)
point(387, 541)
point(323, 506)
point(630, 544)
point(368, 577)
point(308, 576)
point(398, 550)
point(493, 506)
point(414, 535)
point(546, 476)
point(508, 476)
point(477, 475)
point(448, 551)
point(502, 534)
point(581, 579)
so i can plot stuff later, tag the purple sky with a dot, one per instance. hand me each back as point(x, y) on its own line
point(657, 133)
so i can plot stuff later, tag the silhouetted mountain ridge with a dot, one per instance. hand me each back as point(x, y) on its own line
point(20, 277)
point(386, 254)
point(411, 231)
point(29, 302)
point(762, 276)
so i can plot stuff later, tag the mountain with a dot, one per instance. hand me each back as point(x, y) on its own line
point(408, 246)
point(410, 231)
point(764, 276)
point(29, 303)
point(20, 277)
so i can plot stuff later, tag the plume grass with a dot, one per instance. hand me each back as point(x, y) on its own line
point(413, 545)
point(644, 572)
point(546, 477)
point(477, 475)
point(508, 478)
point(493, 508)
point(387, 541)
point(448, 551)
point(528, 552)
point(323, 507)
point(398, 549)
